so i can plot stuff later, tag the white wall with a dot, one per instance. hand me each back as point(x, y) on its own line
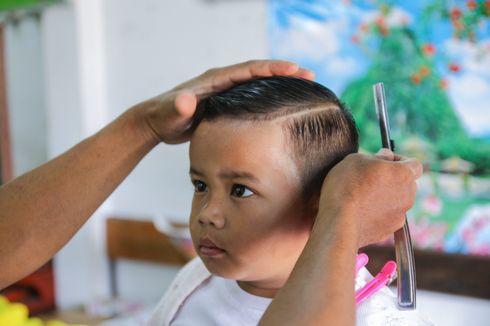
point(153, 46)
point(25, 93)
point(101, 57)
point(81, 270)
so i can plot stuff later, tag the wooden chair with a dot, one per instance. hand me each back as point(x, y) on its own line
point(139, 240)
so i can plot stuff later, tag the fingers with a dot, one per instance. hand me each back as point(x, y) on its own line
point(264, 68)
point(288, 68)
point(398, 158)
point(304, 73)
point(218, 79)
point(273, 67)
point(181, 101)
point(414, 165)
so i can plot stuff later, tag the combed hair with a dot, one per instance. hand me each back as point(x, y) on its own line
point(318, 126)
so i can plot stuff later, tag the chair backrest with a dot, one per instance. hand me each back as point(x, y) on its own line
point(138, 240)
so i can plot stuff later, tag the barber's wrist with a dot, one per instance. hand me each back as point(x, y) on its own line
point(340, 224)
point(137, 122)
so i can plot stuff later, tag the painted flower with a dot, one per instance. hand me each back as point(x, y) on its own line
point(472, 234)
point(416, 79)
point(454, 67)
point(455, 13)
point(429, 49)
point(424, 71)
point(471, 4)
point(432, 205)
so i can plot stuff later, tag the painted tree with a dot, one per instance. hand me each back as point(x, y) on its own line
point(418, 104)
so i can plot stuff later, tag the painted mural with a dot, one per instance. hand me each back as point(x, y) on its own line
point(434, 59)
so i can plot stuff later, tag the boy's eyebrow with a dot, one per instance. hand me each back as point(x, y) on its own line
point(229, 174)
point(238, 174)
point(194, 171)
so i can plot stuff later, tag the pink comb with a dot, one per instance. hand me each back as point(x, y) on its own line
point(386, 276)
point(361, 261)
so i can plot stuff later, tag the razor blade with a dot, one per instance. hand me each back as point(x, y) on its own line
point(406, 284)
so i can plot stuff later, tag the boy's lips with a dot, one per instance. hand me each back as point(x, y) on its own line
point(208, 248)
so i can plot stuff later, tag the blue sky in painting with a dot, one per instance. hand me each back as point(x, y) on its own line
point(317, 34)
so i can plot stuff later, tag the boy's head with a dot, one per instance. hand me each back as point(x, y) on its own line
point(259, 154)
point(320, 131)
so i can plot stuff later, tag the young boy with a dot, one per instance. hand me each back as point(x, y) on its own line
point(259, 154)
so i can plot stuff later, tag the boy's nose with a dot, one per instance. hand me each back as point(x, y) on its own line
point(212, 214)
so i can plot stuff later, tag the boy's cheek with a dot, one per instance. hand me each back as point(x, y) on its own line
point(194, 229)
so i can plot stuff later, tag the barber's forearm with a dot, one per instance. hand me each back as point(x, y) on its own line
point(320, 290)
point(41, 210)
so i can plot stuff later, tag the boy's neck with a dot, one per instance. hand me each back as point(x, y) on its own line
point(258, 290)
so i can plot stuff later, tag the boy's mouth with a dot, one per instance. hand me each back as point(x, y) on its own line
point(208, 248)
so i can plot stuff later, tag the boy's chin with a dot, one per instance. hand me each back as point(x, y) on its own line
point(223, 270)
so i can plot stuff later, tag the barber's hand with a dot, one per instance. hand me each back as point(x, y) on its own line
point(169, 115)
point(375, 191)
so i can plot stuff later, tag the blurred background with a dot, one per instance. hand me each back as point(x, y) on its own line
point(70, 67)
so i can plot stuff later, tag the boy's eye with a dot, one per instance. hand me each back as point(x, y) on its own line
point(200, 186)
point(241, 191)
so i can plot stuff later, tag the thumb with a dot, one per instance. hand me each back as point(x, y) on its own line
point(386, 154)
point(185, 104)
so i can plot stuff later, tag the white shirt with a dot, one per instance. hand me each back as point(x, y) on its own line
point(221, 301)
point(198, 298)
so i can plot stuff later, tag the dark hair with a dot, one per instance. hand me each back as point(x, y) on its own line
point(319, 128)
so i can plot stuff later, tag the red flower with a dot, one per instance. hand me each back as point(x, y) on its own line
point(456, 13)
point(429, 49)
point(454, 67)
point(354, 39)
point(416, 79)
point(424, 71)
point(384, 30)
point(471, 4)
